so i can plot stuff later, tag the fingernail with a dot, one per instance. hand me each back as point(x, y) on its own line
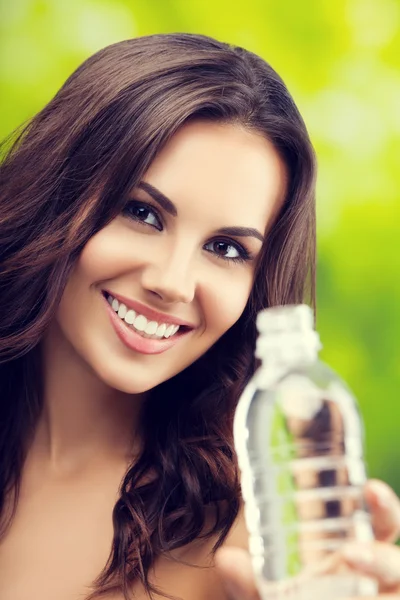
point(381, 493)
point(357, 555)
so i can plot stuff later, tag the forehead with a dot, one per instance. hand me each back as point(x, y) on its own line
point(221, 172)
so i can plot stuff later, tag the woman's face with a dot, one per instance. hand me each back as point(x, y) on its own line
point(183, 252)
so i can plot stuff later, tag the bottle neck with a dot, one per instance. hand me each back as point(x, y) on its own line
point(280, 353)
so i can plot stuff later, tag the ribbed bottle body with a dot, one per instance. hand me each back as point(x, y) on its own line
point(299, 441)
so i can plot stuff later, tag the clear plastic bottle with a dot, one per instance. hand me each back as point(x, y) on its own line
point(299, 440)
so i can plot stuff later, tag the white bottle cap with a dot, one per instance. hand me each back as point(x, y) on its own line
point(291, 317)
point(287, 335)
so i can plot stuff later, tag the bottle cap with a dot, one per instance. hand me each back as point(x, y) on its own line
point(296, 317)
point(287, 335)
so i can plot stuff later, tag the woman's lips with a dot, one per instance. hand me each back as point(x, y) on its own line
point(134, 341)
point(146, 311)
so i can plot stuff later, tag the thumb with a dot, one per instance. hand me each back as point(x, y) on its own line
point(234, 566)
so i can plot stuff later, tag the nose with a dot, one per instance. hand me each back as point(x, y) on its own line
point(171, 278)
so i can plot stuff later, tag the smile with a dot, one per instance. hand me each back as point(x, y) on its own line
point(142, 334)
point(138, 322)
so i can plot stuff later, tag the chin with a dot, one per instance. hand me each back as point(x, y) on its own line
point(129, 384)
point(135, 381)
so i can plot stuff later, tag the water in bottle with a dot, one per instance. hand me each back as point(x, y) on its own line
point(299, 440)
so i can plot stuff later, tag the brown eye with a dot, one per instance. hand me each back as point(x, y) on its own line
point(143, 214)
point(227, 250)
point(140, 212)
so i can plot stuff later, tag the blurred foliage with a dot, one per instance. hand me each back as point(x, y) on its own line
point(341, 62)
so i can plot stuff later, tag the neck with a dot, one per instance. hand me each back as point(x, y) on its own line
point(83, 420)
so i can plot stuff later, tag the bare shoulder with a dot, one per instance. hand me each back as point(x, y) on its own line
point(238, 535)
point(191, 574)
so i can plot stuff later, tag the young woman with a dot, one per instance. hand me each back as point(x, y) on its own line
point(155, 205)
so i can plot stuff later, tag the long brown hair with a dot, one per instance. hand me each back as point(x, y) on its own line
point(64, 176)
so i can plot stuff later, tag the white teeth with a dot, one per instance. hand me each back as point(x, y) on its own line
point(122, 311)
point(130, 317)
point(151, 328)
point(140, 323)
point(147, 328)
point(161, 330)
point(169, 331)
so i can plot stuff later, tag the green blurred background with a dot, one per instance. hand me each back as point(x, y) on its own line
point(341, 61)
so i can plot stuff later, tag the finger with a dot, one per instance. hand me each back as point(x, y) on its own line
point(236, 571)
point(378, 560)
point(385, 510)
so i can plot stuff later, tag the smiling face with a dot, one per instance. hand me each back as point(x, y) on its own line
point(183, 252)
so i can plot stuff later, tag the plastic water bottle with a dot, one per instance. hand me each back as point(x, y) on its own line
point(299, 440)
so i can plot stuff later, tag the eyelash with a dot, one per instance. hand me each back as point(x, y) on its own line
point(243, 254)
point(140, 205)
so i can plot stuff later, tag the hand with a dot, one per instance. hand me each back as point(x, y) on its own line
point(378, 559)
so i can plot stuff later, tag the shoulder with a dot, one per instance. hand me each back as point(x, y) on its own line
point(238, 535)
point(190, 573)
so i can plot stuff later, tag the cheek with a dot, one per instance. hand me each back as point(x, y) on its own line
point(96, 263)
point(109, 254)
point(100, 256)
point(227, 303)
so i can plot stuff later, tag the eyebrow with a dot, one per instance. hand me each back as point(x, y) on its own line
point(159, 197)
point(170, 207)
point(242, 232)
